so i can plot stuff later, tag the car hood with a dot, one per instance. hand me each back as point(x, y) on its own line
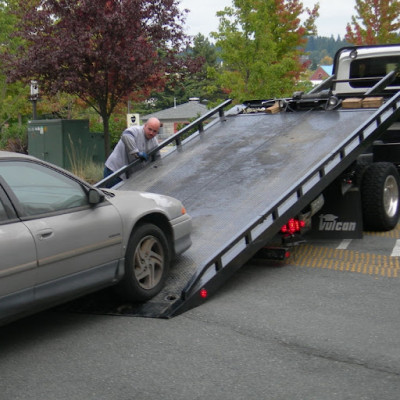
point(144, 202)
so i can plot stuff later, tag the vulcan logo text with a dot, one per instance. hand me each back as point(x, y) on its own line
point(328, 222)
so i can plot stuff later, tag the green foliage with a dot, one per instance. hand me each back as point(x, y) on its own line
point(13, 101)
point(202, 47)
point(13, 97)
point(117, 126)
point(62, 106)
point(14, 138)
point(261, 47)
point(201, 83)
point(190, 131)
point(319, 47)
point(204, 83)
point(7, 23)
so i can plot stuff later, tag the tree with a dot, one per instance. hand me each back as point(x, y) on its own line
point(180, 87)
point(204, 83)
point(376, 22)
point(13, 97)
point(318, 47)
point(199, 84)
point(326, 60)
point(261, 46)
point(103, 51)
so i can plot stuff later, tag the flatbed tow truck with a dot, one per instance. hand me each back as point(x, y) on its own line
point(243, 175)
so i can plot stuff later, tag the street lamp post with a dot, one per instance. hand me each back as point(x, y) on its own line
point(34, 97)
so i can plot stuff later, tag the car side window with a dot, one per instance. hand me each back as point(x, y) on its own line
point(42, 190)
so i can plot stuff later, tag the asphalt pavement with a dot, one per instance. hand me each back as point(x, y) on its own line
point(295, 330)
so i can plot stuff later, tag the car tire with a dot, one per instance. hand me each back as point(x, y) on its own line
point(380, 196)
point(147, 263)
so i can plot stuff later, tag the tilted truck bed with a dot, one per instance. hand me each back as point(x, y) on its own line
point(244, 169)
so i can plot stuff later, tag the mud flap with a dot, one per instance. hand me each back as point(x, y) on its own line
point(341, 215)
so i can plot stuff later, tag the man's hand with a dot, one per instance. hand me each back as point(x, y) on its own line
point(143, 156)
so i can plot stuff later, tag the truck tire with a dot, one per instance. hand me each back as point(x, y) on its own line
point(380, 196)
point(361, 167)
point(147, 263)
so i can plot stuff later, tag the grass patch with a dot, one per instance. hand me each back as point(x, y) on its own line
point(82, 165)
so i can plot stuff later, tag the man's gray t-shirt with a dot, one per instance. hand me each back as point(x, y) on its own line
point(136, 141)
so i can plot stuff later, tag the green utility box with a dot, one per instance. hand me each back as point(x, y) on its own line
point(66, 143)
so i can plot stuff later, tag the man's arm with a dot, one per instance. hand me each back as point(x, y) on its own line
point(130, 144)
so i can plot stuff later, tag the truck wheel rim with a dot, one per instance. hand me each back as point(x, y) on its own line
point(391, 196)
point(149, 262)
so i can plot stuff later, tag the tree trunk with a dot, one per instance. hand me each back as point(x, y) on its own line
point(106, 128)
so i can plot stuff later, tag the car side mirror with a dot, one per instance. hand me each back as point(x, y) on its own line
point(95, 196)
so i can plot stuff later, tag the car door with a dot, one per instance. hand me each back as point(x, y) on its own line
point(18, 264)
point(71, 235)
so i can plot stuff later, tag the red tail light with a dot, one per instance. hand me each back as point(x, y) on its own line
point(293, 226)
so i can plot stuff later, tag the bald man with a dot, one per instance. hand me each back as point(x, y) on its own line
point(136, 142)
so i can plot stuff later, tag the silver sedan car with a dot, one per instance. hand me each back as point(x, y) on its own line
point(61, 238)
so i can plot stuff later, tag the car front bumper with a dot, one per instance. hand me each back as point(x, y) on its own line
point(181, 228)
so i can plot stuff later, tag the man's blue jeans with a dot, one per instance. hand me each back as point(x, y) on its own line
point(114, 181)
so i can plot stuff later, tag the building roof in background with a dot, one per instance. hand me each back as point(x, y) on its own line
point(321, 73)
point(328, 69)
point(186, 111)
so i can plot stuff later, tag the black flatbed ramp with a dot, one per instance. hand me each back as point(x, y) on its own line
point(236, 170)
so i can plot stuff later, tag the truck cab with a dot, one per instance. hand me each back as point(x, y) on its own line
point(357, 69)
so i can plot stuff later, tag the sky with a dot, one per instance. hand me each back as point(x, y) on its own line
point(333, 15)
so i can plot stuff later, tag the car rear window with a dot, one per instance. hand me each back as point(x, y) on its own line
point(369, 71)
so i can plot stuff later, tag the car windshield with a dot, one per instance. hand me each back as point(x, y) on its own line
point(40, 189)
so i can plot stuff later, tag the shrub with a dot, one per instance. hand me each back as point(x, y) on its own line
point(14, 138)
